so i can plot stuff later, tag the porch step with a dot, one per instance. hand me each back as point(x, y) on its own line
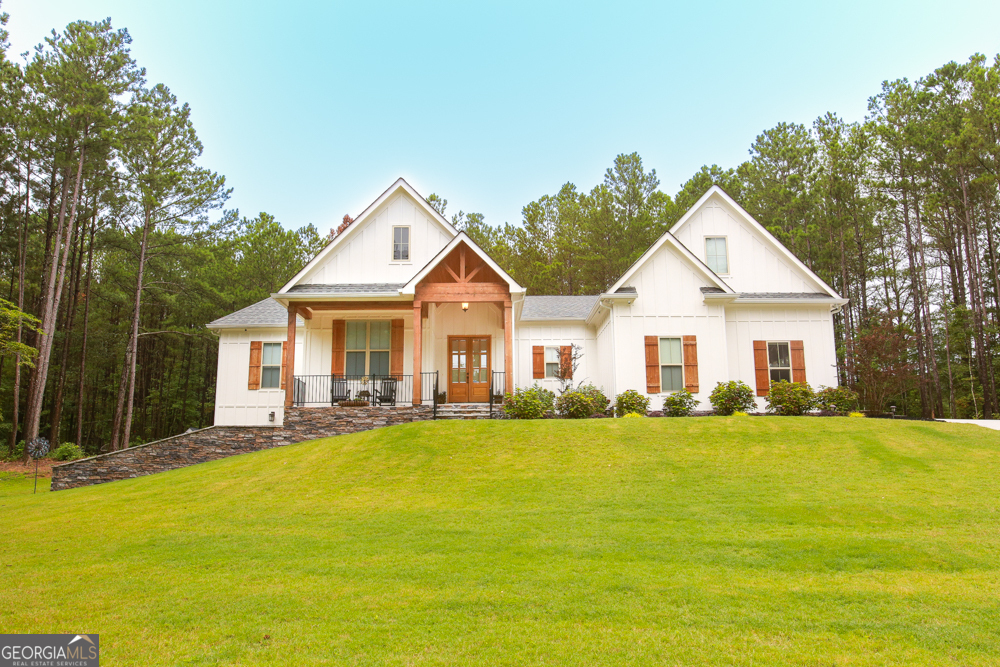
point(464, 411)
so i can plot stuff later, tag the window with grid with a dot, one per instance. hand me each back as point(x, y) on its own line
point(368, 345)
point(400, 244)
point(270, 366)
point(671, 365)
point(779, 362)
point(552, 362)
point(715, 251)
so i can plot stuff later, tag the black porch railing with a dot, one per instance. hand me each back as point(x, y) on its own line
point(378, 390)
point(498, 386)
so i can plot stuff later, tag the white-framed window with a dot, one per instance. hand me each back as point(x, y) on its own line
point(717, 254)
point(401, 244)
point(671, 365)
point(779, 361)
point(551, 362)
point(368, 346)
point(270, 366)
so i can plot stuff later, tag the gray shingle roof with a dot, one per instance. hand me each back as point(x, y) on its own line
point(347, 288)
point(558, 307)
point(712, 290)
point(627, 289)
point(266, 313)
point(784, 295)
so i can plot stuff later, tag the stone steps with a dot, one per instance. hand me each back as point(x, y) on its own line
point(464, 411)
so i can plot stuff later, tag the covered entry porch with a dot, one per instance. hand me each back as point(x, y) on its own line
point(445, 337)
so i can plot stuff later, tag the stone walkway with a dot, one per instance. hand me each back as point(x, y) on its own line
point(985, 423)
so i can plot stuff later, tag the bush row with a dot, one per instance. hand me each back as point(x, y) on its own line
point(728, 398)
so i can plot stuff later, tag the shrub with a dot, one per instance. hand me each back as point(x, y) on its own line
point(679, 404)
point(740, 414)
point(581, 402)
point(633, 415)
point(530, 403)
point(597, 397)
point(839, 400)
point(732, 396)
point(790, 399)
point(67, 451)
point(630, 401)
point(856, 415)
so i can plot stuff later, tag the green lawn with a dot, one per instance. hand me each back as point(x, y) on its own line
point(716, 541)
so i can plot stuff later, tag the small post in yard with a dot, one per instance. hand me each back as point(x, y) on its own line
point(37, 448)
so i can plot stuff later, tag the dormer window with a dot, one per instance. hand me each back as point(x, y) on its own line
point(401, 244)
point(717, 254)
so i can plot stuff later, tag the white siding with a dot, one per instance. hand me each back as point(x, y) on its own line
point(318, 353)
point(555, 333)
point(812, 325)
point(605, 359)
point(365, 253)
point(235, 405)
point(669, 303)
point(755, 265)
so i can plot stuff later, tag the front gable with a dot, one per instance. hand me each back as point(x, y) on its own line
point(363, 252)
point(758, 262)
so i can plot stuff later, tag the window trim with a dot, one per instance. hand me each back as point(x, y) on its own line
point(729, 266)
point(545, 364)
point(409, 245)
point(368, 349)
point(680, 364)
point(767, 347)
point(263, 366)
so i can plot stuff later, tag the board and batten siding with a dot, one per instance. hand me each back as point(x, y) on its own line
point(318, 348)
point(555, 334)
point(235, 404)
point(670, 304)
point(813, 325)
point(365, 253)
point(755, 265)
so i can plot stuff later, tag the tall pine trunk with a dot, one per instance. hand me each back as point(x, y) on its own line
point(57, 274)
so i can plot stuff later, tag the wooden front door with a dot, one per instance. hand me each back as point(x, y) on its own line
point(469, 369)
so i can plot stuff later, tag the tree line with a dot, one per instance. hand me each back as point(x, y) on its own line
point(898, 212)
point(116, 246)
point(117, 249)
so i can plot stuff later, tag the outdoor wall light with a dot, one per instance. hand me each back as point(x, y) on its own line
point(270, 417)
point(465, 307)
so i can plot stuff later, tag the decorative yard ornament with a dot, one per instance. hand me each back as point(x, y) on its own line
point(37, 448)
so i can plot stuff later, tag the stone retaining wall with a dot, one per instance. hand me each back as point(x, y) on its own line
point(217, 442)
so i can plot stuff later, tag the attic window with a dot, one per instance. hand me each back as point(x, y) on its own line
point(717, 254)
point(400, 244)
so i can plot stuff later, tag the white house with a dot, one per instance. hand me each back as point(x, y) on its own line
point(401, 304)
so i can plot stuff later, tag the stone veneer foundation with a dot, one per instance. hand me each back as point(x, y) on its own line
point(217, 442)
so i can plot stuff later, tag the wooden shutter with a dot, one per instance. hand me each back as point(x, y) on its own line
point(798, 353)
point(760, 367)
point(338, 360)
point(652, 365)
point(396, 348)
point(566, 361)
point(537, 362)
point(284, 363)
point(256, 354)
point(691, 363)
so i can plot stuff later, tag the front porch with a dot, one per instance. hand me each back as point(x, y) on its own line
point(450, 341)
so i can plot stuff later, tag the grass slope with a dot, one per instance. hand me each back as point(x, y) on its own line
point(717, 541)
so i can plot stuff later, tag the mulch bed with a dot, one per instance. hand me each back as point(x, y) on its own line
point(44, 467)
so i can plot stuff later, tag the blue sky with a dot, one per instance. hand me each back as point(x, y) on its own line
point(312, 109)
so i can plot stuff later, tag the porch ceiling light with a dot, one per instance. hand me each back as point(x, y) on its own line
point(465, 306)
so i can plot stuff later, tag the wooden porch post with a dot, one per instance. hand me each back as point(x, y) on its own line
point(417, 344)
point(508, 347)
point(290, 352)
